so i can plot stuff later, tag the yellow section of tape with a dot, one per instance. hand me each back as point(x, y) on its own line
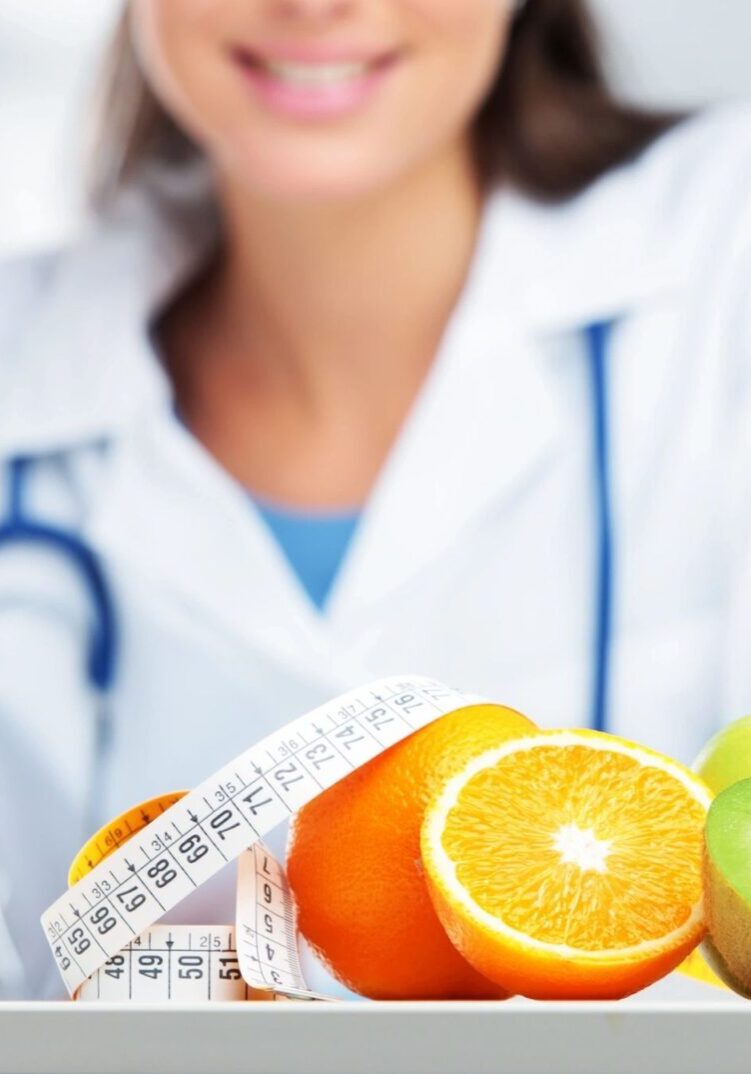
point(117, 832)
point(158, 945)
point(697, 967)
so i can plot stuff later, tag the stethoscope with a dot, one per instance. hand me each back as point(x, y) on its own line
point(103, 650)
point(102, 657)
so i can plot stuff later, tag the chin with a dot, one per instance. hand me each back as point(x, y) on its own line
point(320, 189)
point(325, 176)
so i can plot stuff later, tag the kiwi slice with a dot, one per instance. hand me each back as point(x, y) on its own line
point(727, 886)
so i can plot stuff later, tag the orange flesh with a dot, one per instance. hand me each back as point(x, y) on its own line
point(636, 841)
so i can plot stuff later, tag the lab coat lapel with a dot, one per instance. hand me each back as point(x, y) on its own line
point(169, 511)
point(468, 444)
point(488, 413)
point(485, 417)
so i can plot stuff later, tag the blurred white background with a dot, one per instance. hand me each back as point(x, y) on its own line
point(664, 51)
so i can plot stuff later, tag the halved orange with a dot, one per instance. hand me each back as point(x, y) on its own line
point(354, 866)
point(567, 865)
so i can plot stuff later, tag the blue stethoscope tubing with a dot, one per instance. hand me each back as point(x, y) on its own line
point(598, 337)
point(20, 528)
point(104, 641)
point(102, 661)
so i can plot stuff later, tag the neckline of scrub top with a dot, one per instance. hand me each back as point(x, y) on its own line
point(313, 540)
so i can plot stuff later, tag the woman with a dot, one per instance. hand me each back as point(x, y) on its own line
point(395, 278)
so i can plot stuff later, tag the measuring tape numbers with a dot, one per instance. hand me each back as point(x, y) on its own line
point(183, 962)
point(103, 933)
point(195, 963)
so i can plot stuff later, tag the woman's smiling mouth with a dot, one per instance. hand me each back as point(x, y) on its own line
point(314, 83)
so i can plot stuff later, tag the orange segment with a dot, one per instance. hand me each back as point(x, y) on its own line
point(559, 861)
point(569, 864)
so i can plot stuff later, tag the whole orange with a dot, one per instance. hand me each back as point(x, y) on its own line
point(355, 869)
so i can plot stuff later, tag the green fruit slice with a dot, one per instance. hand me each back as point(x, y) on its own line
point(726, 758)
point(727, 883)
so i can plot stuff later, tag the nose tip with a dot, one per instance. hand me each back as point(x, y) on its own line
point(318, 9)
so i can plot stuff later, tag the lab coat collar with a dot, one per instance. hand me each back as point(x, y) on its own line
point(487, 415)
point(484, 418)
point(596, 257)
point(84, 368)
point(201, 550)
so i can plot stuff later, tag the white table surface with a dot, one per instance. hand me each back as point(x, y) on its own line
point(678, 1026)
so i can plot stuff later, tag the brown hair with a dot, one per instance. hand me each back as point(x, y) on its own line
point(550, 123)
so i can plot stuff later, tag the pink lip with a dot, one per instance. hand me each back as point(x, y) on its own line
point(327, 101)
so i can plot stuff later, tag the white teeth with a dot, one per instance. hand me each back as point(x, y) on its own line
point(315, 74)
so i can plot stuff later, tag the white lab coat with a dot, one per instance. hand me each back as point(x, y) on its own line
point(475, 558)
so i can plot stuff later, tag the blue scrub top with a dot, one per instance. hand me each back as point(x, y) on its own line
point(314, 542)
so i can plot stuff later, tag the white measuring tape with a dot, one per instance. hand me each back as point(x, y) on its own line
point(103, 932)
point(255, 958)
